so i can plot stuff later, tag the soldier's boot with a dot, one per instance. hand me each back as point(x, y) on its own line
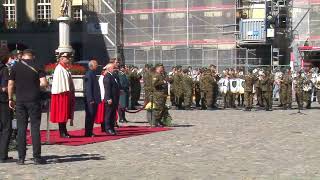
point(308, 105)
point(289, 106)
point(284, 107)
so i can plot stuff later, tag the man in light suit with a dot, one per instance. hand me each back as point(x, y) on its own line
point(111, 98)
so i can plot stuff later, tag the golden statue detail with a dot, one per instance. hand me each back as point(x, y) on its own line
point(64, 8)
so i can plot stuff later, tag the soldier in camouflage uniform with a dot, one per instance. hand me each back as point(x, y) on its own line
point(206, 87)
point(135, 87)
point(216, 78)
point(248, 91)
point(178, 87)
point(266, 87)
point(172, 94)
point(147, 78)
point(188, 89)
point(258, 90)
point(160, 94)
point(197, 92)
point(286, 90)
point(307, 95)
point(299, 90)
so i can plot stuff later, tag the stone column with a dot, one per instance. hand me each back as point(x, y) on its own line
point(64, 35)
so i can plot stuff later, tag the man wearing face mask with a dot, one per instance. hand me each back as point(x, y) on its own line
point(26, 79)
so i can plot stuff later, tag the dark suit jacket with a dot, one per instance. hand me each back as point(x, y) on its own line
point(91, 87)
point(112, 89)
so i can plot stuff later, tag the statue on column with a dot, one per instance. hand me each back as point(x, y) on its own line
point(64, 6)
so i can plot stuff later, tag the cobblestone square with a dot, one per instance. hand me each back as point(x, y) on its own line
point(220, 144)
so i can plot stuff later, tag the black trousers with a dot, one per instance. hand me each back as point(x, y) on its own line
point(91, 111)
point(110, 116)
point(24, 111)
point(5, 129)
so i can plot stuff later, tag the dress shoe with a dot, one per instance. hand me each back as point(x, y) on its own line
point(20, 162)
point(111, 132)
point(39, 161)
point(65, 135)
point(90, 135)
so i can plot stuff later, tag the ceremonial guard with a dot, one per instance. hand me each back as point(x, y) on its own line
point(62, 95)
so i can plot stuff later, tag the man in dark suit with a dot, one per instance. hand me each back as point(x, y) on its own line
point(112, 94)
point(92, 97)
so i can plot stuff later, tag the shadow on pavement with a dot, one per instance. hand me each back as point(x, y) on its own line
point(72, 158)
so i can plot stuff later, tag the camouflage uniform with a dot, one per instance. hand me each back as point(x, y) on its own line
point(159, 97)
point(258, 90)
point(307, 94)
point(147, 78)
point(299, 91)
point(197, 92)
point(286, 91)
point(266, 87)
point(178, 89)
point(135, 87)
point(206, 86)
point(188, 90)
point(248, 91)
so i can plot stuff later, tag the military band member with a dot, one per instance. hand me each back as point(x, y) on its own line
point(197, 92)
point(206, 86)
point(248, 91)
point(160, 94)
point(266, 87)
point(299, 90)
point(188, 89)
point(307, 88)
point(178, 87)
point(286, 90)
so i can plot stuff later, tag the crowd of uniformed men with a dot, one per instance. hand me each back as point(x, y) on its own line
point(234, 87)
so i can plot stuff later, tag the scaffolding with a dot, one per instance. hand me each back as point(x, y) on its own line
point(306, 27)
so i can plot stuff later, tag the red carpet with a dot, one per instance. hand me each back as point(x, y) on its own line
point(78, 139)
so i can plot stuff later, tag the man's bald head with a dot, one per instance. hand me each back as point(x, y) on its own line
point(93, 65)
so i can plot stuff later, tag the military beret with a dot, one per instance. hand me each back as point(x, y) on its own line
point(159, 64)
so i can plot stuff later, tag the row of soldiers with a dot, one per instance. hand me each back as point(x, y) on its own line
point(206, 85)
